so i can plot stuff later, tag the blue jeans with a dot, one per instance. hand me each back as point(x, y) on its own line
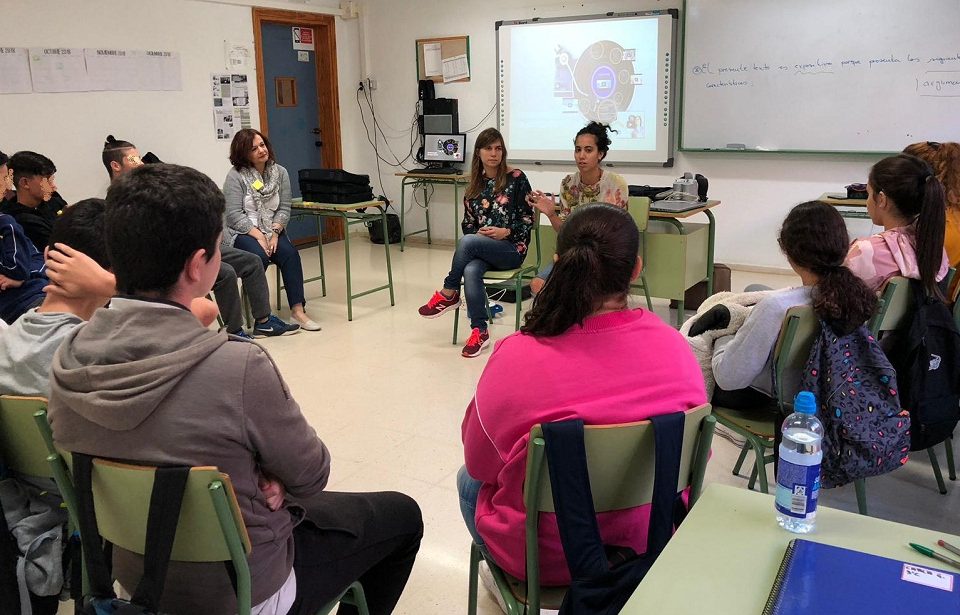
point(469, 489)
point(287, 258)
point(476, 255)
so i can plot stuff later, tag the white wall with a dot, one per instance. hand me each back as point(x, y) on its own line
point(177, 126)
point(756, 189)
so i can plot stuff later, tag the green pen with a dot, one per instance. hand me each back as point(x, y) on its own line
point(931, 553)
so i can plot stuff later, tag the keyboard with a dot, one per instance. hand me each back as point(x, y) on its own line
point(437, 171)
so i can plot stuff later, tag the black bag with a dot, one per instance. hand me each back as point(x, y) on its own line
point(333, 175)
point(927, 360)
point(375, 225)
point(648, 191)
point(168, 487)
point(340, 199)
point(597, 588)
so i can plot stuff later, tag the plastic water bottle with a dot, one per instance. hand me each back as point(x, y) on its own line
point(798, 476)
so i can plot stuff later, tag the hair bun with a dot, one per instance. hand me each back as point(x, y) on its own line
point(110, 139)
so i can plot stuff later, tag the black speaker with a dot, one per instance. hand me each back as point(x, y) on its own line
point(426, 91)
point(439, 116)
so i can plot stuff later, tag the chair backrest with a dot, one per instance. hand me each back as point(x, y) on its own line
point(533, 256)
point(639, 208)
point(22, 448)
point(798, 331)
point(896, 303)
point(548, 244)
point(121, 496)
point(620, 461)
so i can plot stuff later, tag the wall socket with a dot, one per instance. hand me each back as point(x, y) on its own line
point(371, 84)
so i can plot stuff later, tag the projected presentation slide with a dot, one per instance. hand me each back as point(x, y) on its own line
point(555, 76)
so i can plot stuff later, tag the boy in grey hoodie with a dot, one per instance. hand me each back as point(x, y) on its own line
point(145, 382)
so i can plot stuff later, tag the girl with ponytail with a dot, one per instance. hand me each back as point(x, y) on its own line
point(907, 200)
point(814, 239)
point(582, 353)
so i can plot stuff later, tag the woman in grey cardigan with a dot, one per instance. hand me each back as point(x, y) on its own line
point(257, 190)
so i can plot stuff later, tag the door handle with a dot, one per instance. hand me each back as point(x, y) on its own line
point(316, 131)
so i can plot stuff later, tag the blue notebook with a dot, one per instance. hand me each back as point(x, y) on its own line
point(819, 578)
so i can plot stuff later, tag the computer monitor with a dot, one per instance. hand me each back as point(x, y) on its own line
point(444, 148)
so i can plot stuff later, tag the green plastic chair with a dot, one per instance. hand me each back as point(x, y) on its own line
point(22, 447)
point(893, 314)
point(758, 427)
point(639, 208)
point(620, 461)
point(514, 279)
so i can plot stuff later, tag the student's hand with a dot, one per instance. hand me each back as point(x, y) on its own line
point(272, 244)
point(205, 310)
point(493, 232)
point(8, 283)
point(74, 274)
point(272, 489)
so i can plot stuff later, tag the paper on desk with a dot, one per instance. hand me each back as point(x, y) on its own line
point(432, 60)
point(456, 68)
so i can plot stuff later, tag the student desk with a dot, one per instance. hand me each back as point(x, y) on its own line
point(726, 554)
point(349, 214)
point(423, 180)
point(679, 253)
point(855, 209)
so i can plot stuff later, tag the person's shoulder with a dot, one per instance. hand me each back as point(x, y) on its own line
point(516, 175)
point(615, 177)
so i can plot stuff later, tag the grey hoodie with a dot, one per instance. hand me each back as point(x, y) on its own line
point(145, 382)
point(27, 348)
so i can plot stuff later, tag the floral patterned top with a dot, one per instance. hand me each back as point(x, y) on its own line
point(611, 188)
point(507, 209)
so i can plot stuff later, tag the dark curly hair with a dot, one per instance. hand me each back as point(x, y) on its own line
point(600, 132)
point(814, 237)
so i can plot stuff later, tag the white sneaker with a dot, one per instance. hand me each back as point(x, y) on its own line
point(487, 578)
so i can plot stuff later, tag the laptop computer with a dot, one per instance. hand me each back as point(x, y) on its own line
point(674, 207)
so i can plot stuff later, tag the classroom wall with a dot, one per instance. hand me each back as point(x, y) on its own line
point(177, 126)
point(757, 190)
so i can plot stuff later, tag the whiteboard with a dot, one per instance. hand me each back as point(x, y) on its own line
point(820, 75)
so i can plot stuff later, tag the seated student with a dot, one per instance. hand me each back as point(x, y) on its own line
point(814, 239)
point(144, 381)
point(36, 203)
point(121, 157)
point(22, 276)
point(497, 221)
point(590, 184)
point(906, 198)
point(944, 159)
point(6, 179)
point(591, 357)
point(27, 348)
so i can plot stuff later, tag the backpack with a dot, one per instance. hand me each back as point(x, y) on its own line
point(927, 360)
point(865, 431)
point(375, 225)
point(603, 577)
point(36, 522)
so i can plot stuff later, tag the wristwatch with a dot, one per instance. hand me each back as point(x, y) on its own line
point(278, 229)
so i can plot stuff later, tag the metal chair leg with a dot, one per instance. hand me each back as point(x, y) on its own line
point(951, 468)
point(936, 470)
point(474, 577)
point(760, 463)
point(861, 486)
point(741, 458)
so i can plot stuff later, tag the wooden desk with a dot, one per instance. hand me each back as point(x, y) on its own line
point(349, 214)
point(725, 556)
point(855, 209)
point(423, 180)
point(675, 262)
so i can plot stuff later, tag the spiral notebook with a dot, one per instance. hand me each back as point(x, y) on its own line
point(819, 578)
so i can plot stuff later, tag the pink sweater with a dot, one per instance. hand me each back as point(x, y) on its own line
point(618, 368)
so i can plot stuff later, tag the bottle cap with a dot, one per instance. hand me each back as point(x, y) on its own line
point(805, 402)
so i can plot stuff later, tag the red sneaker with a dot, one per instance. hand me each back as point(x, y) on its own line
point(477, 341)
point(439, 304)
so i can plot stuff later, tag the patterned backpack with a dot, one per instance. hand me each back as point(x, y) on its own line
point(865, 431)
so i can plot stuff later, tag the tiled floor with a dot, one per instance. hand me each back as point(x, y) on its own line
point(387, 392)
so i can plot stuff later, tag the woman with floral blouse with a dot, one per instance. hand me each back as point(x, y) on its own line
point(497, 220)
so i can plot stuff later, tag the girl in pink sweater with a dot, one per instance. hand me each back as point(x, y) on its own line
point(582, 353)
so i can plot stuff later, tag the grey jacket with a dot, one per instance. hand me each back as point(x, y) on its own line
point(27, 349)
point(144, 381)
point(235, 190)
